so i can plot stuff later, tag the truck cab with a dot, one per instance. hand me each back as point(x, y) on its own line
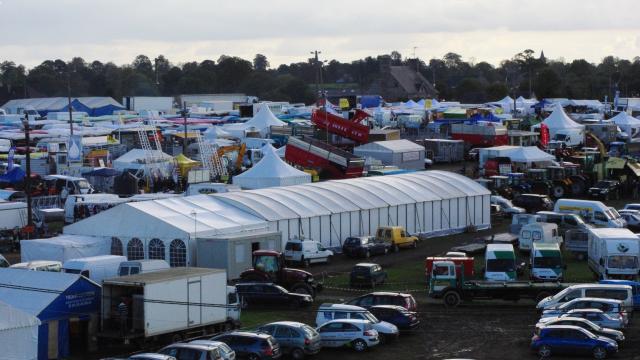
point(443, 276)
point(546, 263)
point(397, 237)
point(500, 263)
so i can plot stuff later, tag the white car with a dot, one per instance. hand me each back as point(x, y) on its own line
point(150, 356)
point(613, 308)
point(632, 217)
point(359, 334)
point(506, 205)
point(596, 316)
point(191, 351)
point(632, 207)
point(225, 351)
point(328, 312)
point(306, 252)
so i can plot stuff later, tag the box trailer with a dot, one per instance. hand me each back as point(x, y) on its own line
point(140, 103)
point(177, 303)
point(233, 253)
point(444, 150)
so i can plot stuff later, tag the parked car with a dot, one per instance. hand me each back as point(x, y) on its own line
point(365, 246)
point(617, 291)
point(632, 217)
point(397, 237)
point(367, 274)
point(605, 189)
point(296, 339)
point(406, 301)
point(506, 206)
point(269, 294)
point(613, 308)
point(635, 206)
point(327, 312)
point(306, 252)
point(635, 289)
point(151, 356)
point(564, 339)
point(250, 345)
point(596, 316)
point(225, 351)
point(396, 315)
point(612, 334)
point(185, 351)
point(358, 334)
point(533, 203)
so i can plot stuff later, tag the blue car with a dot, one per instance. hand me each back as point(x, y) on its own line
point(396, 315)
point(567, 339)
point(635, 289)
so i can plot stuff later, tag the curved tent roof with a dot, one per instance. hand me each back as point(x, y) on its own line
point(559, 120)
point(271, 171)
point(318, 199)
point(624, 119)
point(529, 154)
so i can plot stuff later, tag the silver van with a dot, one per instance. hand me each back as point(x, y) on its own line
point(623, 293)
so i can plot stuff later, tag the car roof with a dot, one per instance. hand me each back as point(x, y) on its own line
point(340, 307)
point(191, 346)
point(567, 318)
point(572, 327)
point(207, 342)
point(596, 286)
point(351, 321)
point(596, 299)
point(287, 323)
point(247, 333)
point(585, 310)
point(365, 264)
point(390, 307)
point(151, 356)
point(388, 293)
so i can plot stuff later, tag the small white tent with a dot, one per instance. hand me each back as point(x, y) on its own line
point(627, 123)
point(271, 171)
point(262, 121)
point(558, 120)
point(18, 333)
point(63, 247)
point(216, 132)
point(136, 159)
point(529, 154)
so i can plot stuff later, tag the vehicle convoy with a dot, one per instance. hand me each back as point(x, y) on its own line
point(269, 266)
point(170, 303)
point(397, 237)
point(449, 283)
point(545, 262)
point(539, 232)
point(592, 211)
point(614, 253)
point(306, 252)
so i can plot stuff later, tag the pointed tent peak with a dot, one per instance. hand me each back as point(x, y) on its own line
point(182, 159)
point(264, 118)
point(410, 104)
point(507, 98)
point(520, 98)
point(622, 118)
point(558, 119)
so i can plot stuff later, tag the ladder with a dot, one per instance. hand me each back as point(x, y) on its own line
point(209, 157)
point(152, 156)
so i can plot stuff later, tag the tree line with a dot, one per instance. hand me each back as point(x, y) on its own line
point(524, 74)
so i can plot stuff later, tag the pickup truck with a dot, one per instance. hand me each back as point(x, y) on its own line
point(397, 237)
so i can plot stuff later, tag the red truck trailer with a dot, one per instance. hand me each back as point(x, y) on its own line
point(458, 261)
point(330, 161)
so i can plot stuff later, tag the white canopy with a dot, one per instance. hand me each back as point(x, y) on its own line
point(262, 121)
point(18, 333)
point(62, 248)
point(135, 159)
point(410, 104)
point(529, 154)
point(627, 123)
point(271, 171)
point(215, 132)
point(558, 120)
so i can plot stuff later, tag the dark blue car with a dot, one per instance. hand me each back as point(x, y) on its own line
point(396, 315)
point(566, 339)
point(635, 289)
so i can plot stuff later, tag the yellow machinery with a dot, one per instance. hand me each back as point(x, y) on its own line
point(240, 149)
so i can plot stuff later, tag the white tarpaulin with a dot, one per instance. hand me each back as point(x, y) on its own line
point(262, 122)
point(136, 159)
point(18, 334)
point(64, 247)
point(271, 171)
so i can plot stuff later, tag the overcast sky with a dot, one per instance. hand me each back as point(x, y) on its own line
point(287, 30)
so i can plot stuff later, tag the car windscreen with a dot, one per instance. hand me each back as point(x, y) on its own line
point(552, 262)
point(361, 269)
point(309, 332)
point(293, 246)
point(622, 262)
point(501, 265)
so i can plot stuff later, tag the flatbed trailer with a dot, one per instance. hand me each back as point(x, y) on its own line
point(448, 283)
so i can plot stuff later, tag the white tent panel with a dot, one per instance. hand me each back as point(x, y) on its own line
point(18, 333)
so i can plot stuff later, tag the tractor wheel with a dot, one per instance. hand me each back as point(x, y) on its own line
point(558, 191)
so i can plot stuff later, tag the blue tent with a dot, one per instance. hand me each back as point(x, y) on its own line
point(13, 176)
point(55, 299)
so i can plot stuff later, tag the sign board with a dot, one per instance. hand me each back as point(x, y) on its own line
point(75, 149)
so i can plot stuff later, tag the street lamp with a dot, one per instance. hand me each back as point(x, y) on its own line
point(27, 182)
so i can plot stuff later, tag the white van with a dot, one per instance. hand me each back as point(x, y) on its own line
point(614, 253)
point(306, 252)
point(500, 263)
point(328, 312)
point(39, 265)
point(592, 211)
point(133, 267)
point(538, 232)
point(603, 291)
point(96, 268)
point(546, 263)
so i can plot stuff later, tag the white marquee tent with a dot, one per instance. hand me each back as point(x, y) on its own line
point(271, 171)
point(529, 154)
point(18, 333)
point(136, 159)
point(426, 202)
point(62, 248)
point(262, 122)
point(627, 123)
point(558, 120)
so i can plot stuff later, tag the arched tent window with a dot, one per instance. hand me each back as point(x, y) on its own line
point(135, 249)
point(177, 253)
point(116, 246)
point(156, 249)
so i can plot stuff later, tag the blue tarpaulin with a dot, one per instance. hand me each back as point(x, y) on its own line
point(13, 176)
point(370, 101)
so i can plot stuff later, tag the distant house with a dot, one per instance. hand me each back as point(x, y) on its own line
point(401, 82)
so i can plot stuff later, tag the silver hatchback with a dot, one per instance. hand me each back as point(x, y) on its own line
point(296, 339)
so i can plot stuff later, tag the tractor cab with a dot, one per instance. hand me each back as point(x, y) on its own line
point(538, 174)
point(540, 183)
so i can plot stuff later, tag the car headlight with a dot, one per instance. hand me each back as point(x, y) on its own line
point(309, 279)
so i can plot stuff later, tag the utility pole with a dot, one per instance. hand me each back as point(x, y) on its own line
point(69, 104)
point(316, 63)
point(27, 179)
point(184, 140)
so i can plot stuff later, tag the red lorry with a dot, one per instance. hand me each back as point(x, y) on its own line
point(458, 261)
